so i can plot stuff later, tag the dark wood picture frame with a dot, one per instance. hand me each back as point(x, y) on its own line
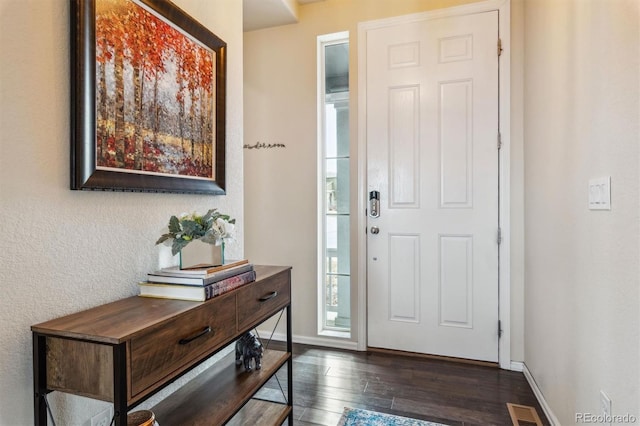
point(86, 174)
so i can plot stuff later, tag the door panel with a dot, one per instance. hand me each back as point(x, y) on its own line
point(456, 281)
point(404, 146)
point(404, 262)
point(456, 144)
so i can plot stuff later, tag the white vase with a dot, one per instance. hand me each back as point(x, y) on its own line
point(197, 254)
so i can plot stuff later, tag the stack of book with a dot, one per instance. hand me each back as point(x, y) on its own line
point(197, 284)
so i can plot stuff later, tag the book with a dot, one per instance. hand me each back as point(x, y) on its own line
point(161, 277)
point(193, 293)
point(202, 271)
point(229, 284)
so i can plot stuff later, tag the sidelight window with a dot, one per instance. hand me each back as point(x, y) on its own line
point(334, 266)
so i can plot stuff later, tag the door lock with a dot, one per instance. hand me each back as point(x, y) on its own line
point(375, 230)
point(374, 204)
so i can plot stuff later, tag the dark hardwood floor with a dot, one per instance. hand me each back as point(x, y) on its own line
point(328, 380)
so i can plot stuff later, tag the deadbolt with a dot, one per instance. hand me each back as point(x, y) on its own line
point(374, 204)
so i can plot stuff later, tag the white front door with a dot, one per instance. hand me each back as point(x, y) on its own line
point(432, 155)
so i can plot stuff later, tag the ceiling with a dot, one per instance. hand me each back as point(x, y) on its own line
point(259, 14)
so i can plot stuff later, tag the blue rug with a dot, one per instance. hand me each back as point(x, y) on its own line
point(358, 417)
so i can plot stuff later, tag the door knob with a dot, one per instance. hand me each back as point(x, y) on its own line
point(375, 230)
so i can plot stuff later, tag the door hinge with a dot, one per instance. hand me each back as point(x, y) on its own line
point(499, 239)
point(499, 141)
point(499, 47)
point(499, 329)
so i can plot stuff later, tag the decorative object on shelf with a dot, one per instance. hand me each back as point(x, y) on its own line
point(142, 73)
point(142, 418)
point(213, 229)
point(198, 255)
point(248, 347)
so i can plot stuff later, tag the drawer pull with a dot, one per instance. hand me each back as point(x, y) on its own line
point(204, 331)
point(268, 296)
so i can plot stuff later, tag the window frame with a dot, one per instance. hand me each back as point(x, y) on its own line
point(322, 42)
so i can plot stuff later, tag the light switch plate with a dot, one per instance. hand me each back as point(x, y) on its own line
point(600, 193)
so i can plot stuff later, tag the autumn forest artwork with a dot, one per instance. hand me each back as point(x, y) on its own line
point(155, 94)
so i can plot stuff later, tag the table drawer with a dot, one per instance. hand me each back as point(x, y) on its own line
point(168, 348)
point(259, 300)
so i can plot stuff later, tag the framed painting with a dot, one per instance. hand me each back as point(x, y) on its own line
point(147, 99)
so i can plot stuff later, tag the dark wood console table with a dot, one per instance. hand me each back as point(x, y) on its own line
point(124, 352)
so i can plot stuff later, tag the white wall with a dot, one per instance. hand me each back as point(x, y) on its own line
point(280, 107)
point(582, 277)
point(62, 251)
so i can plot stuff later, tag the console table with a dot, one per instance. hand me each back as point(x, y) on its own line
point(124, 352)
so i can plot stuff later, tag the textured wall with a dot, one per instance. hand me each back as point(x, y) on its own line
point(582, 280)
point(280, 107)
point(62, 251)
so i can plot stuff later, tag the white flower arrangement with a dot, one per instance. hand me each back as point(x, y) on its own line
point(212, 228)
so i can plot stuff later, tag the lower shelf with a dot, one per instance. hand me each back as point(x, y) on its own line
point(263, 413)
point(215, 395)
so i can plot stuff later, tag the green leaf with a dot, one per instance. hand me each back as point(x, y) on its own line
point(178, 244)
point(174, 225)
point(164, 238)
point(209, 216)
point(192, 228)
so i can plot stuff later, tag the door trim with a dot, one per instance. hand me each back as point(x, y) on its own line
point(504, 164)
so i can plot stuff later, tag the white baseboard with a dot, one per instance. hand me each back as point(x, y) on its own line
point(517, 366)
point(540, 397)
point(315, 341)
